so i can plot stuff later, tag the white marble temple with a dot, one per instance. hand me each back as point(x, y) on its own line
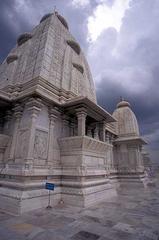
point(53, 130)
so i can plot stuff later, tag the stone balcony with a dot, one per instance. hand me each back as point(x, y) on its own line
point(83, 155)
point(83, 143)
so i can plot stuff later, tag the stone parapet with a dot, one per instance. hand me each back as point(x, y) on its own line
point(83, 143)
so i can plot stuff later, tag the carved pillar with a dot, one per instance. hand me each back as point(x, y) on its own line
point(106, 137)
point(18, 110)
point(53, 117)
point(72, 129)
point(65, 126)
point(1, 121)
point(110, 139)
point(140, 158)
point(1, 155)
point(75, 129)
point(89, 131)
point(102, 131)
point(96, 132)
point(7, 119)
point(81, 117)
point(34, 107)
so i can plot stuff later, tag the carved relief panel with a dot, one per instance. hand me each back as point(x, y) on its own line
point(40, 144)
point(22, 143)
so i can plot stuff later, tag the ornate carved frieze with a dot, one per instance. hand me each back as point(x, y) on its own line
point(16, 90)
point(87, 190)
point(34, 105)
point(18, 111)
point(53, 114)
point(83, 143)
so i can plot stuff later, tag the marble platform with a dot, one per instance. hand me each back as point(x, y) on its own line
point(123, 217)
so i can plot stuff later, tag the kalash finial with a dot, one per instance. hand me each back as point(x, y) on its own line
point(123, 103)
point(55, 10)
point(121, 99)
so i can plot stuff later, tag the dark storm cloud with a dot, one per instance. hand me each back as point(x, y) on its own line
point(144, 106)
point(128, 66)
point(18, 16)
point(6, 33)
point(124, 63)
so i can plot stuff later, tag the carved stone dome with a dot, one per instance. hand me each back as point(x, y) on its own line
point(123, 103)
point(127, 124)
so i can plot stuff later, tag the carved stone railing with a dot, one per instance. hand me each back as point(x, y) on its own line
point(83, 155)
point(83, 143)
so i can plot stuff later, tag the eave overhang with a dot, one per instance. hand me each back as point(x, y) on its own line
point(133, 139)
point(93, 109)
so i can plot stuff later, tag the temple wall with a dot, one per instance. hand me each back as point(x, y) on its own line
point(84, 173)
point(128, 158)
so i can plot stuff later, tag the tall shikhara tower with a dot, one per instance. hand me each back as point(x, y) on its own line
point(51, 128)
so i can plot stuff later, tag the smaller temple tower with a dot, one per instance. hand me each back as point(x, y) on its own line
point(128, 158)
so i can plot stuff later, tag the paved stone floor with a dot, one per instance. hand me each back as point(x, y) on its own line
point(134, 214)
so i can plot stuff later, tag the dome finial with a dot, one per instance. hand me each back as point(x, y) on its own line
point(123, 103)
point(121, 99)
point(55, 10)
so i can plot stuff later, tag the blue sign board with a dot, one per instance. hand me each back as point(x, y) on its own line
point(50, 186)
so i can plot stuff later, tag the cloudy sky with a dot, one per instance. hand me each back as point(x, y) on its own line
point(121, 42)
